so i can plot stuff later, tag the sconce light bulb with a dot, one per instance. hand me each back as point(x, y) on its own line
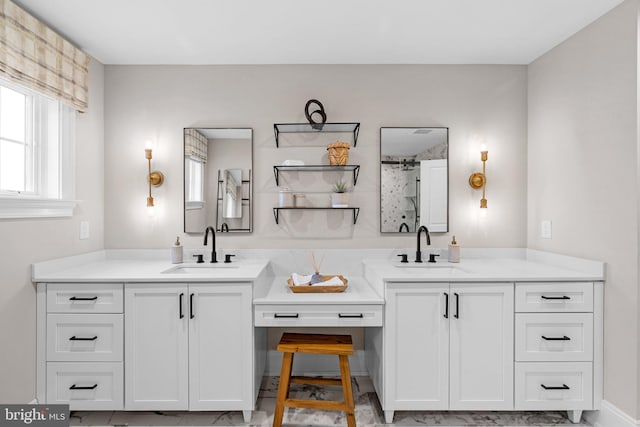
point(148, 144)
point(151, 211)
point(483, 147)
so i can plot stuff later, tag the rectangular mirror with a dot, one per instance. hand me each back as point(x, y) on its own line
point(414, 179)
point(218, 165)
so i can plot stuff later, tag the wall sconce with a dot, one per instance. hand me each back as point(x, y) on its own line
point(154, 178)
point(478, 180)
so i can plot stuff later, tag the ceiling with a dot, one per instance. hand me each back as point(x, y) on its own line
point(317, 32)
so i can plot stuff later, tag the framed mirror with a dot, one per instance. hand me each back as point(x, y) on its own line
point(218, 180)
point(414, 179)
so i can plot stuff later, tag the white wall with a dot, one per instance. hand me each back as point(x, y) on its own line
point(583, 174)
point(157, 102)
point(27, 241)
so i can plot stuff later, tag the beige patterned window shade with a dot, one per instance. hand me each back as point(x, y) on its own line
point(195, 145)
point(34, 55)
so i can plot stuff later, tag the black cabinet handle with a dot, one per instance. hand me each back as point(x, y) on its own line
point(74, 338)
point(285, 316)
point(350, 316)
point(564, 297)
point(181, 310)
point(564, 338)
point(457, 315)
point(563, 387)
point(83, 298)
point(446, 305)
point(75, 387)
point(191, 314)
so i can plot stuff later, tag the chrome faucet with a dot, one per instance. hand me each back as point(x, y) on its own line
point(418, 252)
point(213, 242)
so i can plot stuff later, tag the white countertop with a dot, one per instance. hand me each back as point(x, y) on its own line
point(358, 292)
point(537, 266)
point(141, 266)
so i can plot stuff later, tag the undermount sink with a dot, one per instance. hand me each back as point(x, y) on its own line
point(426, 267)
point(198, 268)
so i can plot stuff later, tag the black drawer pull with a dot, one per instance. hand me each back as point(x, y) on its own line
point(181, 312)
point(83, 298)
point(563, 387)
point(191, 313)
point(446, 305)
point(75, 338)
point(350, 316)
point(564, 338)
point(457, 315)
point(90, 387)
point(563, 297)
point(286, 316)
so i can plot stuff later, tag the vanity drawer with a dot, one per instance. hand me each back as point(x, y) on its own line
point(93, 386)
point(554, 337)
point(78, 337)
point(557, 296)
point(553, 386)
point(84, 298)
point(318, 315)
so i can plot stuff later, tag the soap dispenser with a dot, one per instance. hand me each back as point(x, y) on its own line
point(176, 252)
point(454, 251)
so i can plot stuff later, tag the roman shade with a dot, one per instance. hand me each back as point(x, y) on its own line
point(195, 145)
point(35, 56)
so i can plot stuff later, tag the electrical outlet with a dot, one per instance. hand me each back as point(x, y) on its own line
point(84, 230)
point(545, 229)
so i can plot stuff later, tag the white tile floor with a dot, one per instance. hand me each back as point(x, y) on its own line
point(368, 413)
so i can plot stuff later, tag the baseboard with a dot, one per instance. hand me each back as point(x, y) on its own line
point(316, 364)
point(610, 416)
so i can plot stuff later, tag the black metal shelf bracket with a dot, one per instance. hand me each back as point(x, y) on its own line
point(355, 211)
point(353, 128)
point(355, 169)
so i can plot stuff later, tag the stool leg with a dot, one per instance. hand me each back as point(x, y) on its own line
point(283, 388)
point(345, 373)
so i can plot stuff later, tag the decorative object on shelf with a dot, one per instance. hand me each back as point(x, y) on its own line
point(340, 197)
point(338, 153)
point(478, 180)
point(320, 111)
point(154, 178)
point(285, 198)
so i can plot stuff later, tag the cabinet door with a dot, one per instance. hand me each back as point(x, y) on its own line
point(220, 350)
point(481, 346)
point(156, 346)
point(416, 347)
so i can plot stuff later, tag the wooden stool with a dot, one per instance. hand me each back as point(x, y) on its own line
point(339, 345)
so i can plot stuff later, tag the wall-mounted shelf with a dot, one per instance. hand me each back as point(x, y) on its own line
point(317, 168)
point(279, 128)
point(356, 211)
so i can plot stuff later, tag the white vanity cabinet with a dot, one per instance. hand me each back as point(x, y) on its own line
point(189, 346)
point(80, 345)
point(448, 346)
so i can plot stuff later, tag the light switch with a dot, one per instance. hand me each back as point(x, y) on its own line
point(545, 229)
point(84, 230)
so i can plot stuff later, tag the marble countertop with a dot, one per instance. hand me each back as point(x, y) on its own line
point(358, 292)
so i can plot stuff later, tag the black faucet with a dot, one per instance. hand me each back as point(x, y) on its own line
point(213, 242)
point(224, 227)
point(418, 252)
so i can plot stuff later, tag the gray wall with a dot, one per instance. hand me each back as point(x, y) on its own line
point(27, 241)
point(583, 174)
point(487, 102)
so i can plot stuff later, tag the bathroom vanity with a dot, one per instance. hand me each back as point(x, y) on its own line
point(502, 330)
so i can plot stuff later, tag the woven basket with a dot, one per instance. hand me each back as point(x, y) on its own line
point(338, 153)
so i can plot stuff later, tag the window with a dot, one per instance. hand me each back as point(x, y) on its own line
point(194, 179)
point(37, 154)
